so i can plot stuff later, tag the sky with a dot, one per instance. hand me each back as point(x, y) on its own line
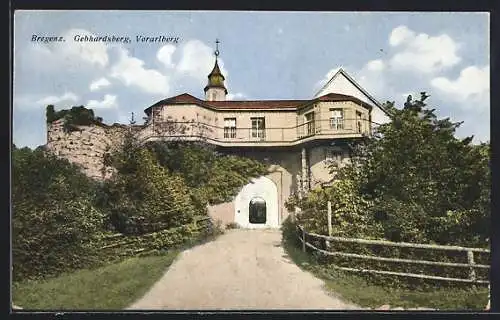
point(263, 55)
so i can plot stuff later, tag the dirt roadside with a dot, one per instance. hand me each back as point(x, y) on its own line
point(242, 269)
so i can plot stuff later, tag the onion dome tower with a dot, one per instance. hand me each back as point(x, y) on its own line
point(215, 89)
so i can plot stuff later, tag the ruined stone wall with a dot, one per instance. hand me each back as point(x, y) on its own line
point(85, 146)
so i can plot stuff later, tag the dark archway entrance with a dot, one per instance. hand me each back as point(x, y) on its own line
point(257, 211)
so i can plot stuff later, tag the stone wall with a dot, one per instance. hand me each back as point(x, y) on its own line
point(85, 146)
point(224, 213)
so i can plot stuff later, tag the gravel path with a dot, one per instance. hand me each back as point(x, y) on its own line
point(242, 269)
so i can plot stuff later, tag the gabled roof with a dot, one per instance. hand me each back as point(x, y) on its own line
point(342, 72)
point(186, 98)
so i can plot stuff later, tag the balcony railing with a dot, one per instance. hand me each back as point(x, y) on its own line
point(339, 127)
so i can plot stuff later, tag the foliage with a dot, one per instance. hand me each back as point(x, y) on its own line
point(363, 291)
point(424, 181)
point(76, 116)
point(71, 211)
point(232, 225)
point(417, 181)
point(350, 212)
point(53, 216)
point(165, 184)
point(113, 247)
point(414, 181)
point(144, 197)
point(214, 177)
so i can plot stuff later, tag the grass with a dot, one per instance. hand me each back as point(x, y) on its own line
point(358, 291)
point(111, 287)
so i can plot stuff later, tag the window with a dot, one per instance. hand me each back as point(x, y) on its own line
point(258, 128)
point(229, 128)
point(310, 123)
point(358, 121)
point(337, 119)
point(257, 210)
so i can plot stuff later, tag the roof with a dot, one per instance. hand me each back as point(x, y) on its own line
point(216, 78)
point(186, 98)
point(216, 71)
point(341, 71)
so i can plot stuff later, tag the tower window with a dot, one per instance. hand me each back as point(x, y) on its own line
point(229, 128)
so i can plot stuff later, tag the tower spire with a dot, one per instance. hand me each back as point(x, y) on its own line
point(216, 48)
point(215, 89)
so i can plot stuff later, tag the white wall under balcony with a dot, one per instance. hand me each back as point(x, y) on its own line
point(263, 188)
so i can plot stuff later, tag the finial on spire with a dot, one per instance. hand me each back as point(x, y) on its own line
point(216, 48)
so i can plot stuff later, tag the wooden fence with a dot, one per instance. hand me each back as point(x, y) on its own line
point(471, 265)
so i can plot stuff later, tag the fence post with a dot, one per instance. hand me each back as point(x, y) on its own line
point(329, 207)
point(303, 239)
point(470, 260)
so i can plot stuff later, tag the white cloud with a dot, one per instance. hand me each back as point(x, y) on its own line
point(108, 102)
point(56, 56)
point(197, 60)
point(68, 96)
point(369, 77)
point(164, 55)
point(327, 78)
point(421, 52)
point(400, 35)
point(131, 72)
point(375, 65)
point(235, 96)
point(93, 52)
point(372, 79)
point(472, 82)
point(99, 83)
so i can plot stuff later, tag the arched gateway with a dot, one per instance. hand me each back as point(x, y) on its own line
point(256, 206)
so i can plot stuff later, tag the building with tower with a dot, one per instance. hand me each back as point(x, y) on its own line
point(299, 139)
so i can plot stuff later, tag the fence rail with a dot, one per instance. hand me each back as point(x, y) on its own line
point(471, 265)
point(186, 130)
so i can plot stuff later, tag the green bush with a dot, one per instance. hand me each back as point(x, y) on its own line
point(143, 197)
point(53, 218)
point(76, 116)
point(60, 215)
point(213, 177)
point(414, 181)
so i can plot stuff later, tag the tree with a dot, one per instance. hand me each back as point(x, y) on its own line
point(212, 176)
point(416, 180)
point(421, 177)
point(143, 196)
point(53, 218)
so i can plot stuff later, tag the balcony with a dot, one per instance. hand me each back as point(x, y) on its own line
point(248, 136)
